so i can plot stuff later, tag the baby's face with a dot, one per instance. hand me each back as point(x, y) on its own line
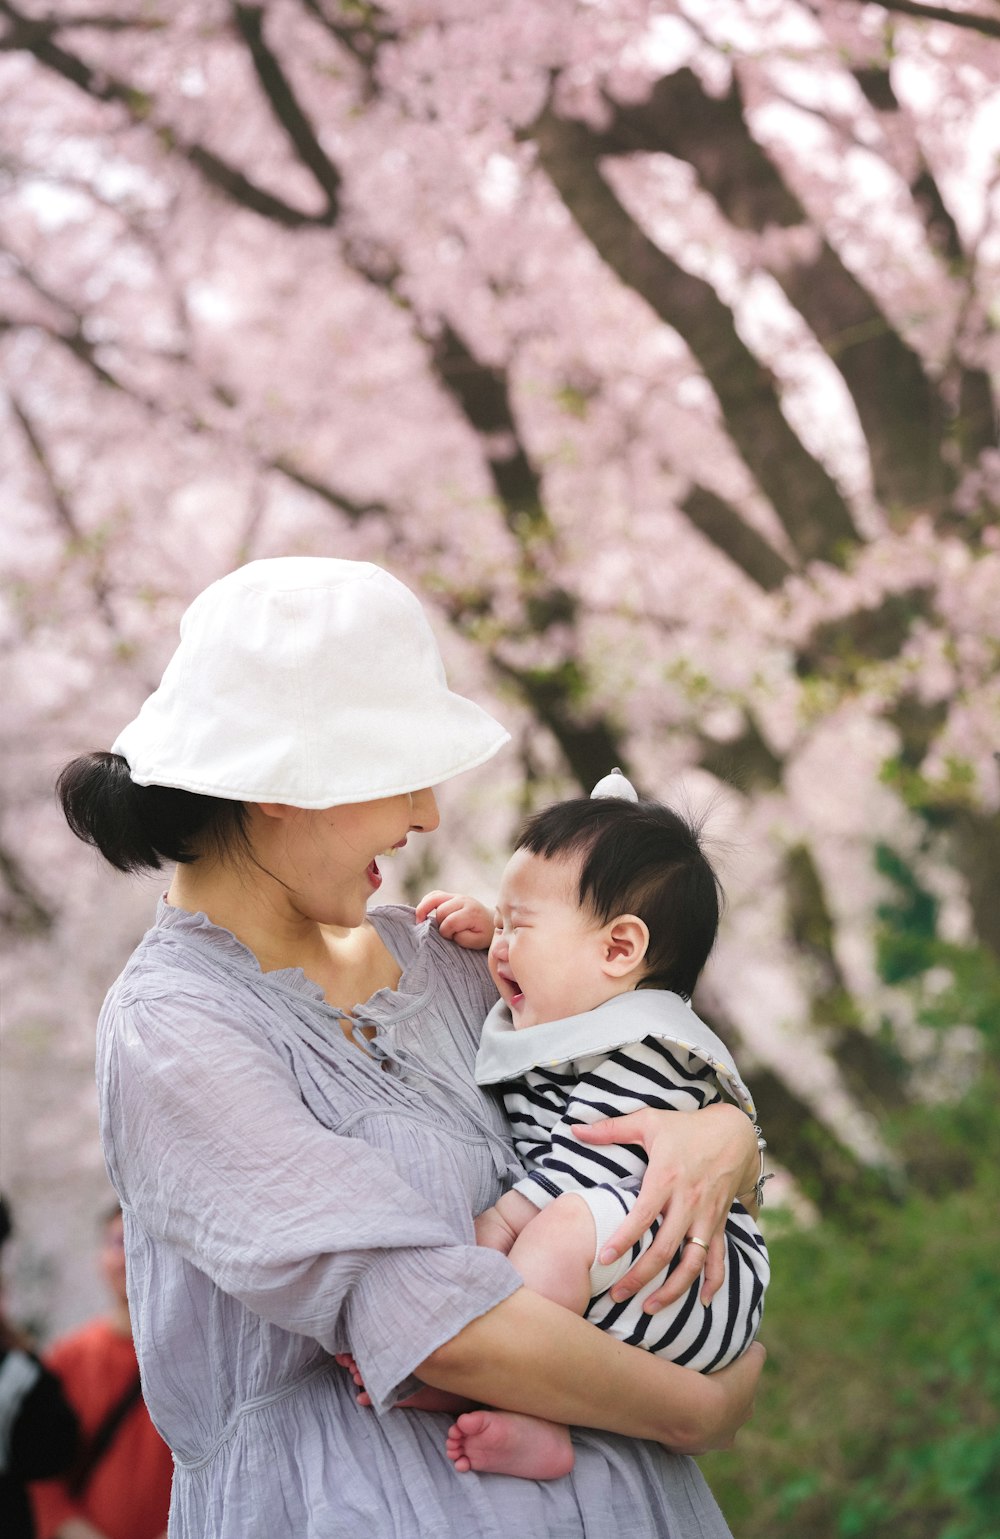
point(546, 950)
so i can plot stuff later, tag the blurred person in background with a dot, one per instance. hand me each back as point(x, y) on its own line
point(119, 1485)
point(38, 1430)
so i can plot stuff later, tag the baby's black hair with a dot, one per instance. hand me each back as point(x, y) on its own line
point(137, 827)
point(638, 858)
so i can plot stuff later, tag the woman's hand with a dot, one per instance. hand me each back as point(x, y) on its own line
point(698, 1163)
point(464, 920)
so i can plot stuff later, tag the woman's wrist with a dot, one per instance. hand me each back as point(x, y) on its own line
point(726, 1403)
point(738, 1144)
point(753, 1197)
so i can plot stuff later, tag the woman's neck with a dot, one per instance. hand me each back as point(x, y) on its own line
point(251, 905)
point(348, 964)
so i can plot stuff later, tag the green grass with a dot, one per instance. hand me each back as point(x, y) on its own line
point(879, 1411)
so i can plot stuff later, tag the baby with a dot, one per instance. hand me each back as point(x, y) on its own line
point(606, 914)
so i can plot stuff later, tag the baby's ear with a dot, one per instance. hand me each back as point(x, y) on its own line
point(626, 941)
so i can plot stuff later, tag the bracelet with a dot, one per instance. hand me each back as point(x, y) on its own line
point(757, 1190)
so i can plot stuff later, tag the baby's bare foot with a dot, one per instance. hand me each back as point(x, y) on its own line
point(345, 1360)
point(505, 1443)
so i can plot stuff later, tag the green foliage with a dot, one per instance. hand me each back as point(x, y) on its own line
point(932, 799)
point(879, 1411)
point(951, 984)
point(879, 1408)
point(908, 925)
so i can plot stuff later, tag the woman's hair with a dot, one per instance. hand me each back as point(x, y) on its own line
point(136, 827)
point(638, 858)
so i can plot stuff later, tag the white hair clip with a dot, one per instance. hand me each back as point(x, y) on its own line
point(615, 785)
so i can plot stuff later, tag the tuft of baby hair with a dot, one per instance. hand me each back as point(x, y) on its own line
point(616, 786)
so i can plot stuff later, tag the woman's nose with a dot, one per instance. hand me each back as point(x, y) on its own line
point(424, 815)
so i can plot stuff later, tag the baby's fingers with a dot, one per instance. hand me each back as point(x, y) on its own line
point(455, 917)
point(429, 902)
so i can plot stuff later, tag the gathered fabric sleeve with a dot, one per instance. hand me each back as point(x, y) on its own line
point(211, 1145)
point(640, 1074)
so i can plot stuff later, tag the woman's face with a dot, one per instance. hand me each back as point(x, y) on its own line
point(328, 859)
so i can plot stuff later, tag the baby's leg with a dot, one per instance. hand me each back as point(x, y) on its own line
point(554, 1254)
point(688, 1332)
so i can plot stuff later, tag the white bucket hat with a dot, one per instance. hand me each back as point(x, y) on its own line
point(310, 681)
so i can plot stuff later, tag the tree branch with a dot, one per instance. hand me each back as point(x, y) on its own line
point(975, 427)
point(801, 491)
point(898, 406)
point(24, 911)
point(829, 1172)
point(873, 1071)
point(482, 395)
point(285, 106)
point(361, 35)
point(720, 524)
point(57, 500)
point(74, 342)
point(27, 35)
point(840, 648)
point(589, 743)
point(355, 511)
point(556, 694)
point(60, 505)
point(81, 21)
point(989, 26)
point(747, 763)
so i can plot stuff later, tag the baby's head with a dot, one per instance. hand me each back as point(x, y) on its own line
point(601, 897)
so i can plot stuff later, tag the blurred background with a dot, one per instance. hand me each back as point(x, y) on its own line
point(655, 346)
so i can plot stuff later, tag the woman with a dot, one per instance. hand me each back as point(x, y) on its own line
point(290, 1117)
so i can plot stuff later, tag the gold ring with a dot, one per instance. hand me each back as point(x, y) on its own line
point(693, 1239)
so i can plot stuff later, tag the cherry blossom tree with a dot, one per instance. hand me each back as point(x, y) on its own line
point(653, 342)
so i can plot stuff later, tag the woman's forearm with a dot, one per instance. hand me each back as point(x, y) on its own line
point(530, 1355)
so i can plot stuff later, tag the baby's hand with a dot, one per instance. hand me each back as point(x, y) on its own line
point(461, 919)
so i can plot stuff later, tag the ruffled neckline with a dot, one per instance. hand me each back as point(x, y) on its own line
point(183, 922)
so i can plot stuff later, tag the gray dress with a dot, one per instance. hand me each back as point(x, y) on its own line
point(287, 1196)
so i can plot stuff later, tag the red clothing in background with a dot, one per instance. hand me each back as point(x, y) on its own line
point(128, 1494)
